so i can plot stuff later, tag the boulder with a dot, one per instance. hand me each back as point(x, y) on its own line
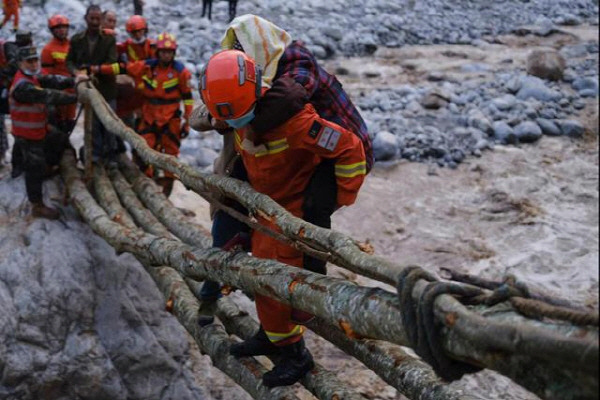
point(548, 127)
point(546, 64)
point(503, 133)
point(571, 128)
point(532, 87)
point(434, 100)
point(528, 132)
point(505, 102)
point(385, 146)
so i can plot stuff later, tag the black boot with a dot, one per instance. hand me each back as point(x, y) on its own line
point(296, 362)
point(257, 345)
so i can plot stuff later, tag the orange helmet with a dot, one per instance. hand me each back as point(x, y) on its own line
point(166, 41)
point(230, 84)
point(57, 20)
point(136, 23)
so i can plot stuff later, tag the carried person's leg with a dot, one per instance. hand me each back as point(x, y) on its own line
point(320, 199)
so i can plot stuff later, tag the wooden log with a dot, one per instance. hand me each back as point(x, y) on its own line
point(153, 198)
point(576, 346)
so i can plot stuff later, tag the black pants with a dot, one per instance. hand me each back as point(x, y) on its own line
point(207, 6)
point(35, 155)
point(232, 7)
point(320, 200)
point(138, 7)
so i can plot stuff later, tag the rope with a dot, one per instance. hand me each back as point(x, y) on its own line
point(418, 318)
point(532, 305)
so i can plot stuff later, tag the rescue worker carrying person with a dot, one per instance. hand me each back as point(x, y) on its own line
point(40, 145)
point(280, 164)
point(166, 85)
point(294, 77)
point(54, 62)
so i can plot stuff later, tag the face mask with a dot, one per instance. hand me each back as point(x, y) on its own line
point(241, 121)
point(30, 72)
point(140, 40)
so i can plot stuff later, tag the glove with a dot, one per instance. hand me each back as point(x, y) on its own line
point(185, 130)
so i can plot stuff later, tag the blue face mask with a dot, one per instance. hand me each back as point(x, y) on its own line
point(241, 121)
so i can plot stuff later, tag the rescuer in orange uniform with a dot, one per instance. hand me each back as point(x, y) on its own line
point(11, 10)
point(280, 164)
point(138, 46)
point(54, 62)
point(165, 83)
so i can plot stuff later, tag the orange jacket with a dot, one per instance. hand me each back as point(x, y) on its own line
point(130, 51)
point(283, 164)
point(164, 89)
point(54, 57)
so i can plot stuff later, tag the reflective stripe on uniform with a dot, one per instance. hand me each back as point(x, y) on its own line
point(28, 125)
point(351, 170)
point(274, 147)
point(150, 82)
point(171, 83)
point(59, 55)
point(116, 69)
point(188, 102)
point(34, 108)
point(131, 53)
point(275, 337)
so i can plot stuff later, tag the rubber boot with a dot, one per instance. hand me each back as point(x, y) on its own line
point(257, 345)
point(295, 363)
point(39, 210)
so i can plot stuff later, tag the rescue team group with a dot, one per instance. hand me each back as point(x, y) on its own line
point(289, 130)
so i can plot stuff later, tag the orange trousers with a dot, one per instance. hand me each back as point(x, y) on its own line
point(165, 139)
point(11, 10)
point(275, 317)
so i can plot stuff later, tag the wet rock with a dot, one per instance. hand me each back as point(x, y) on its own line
point(534, 88)
point(569, 20)
point(434, 100)
point(479, 121)
point(548, 127)
point(587, 87)
point(546, 64)
point(528, 132)
point(503, 133)
point(474, 67)
point(385, 146)
point(513, 85)
point(505, 102)
point(588, 93)
point(571, 128)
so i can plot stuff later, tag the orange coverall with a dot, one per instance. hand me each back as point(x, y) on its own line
point(53, 58)
point(281, 168)
point(11, 9)
point(164, 89)
point(129, 51)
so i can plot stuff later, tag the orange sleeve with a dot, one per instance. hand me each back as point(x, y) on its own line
point(111, 69)
point(46, 59)
point(136, 69)
point(185, 86)
point(331, 141)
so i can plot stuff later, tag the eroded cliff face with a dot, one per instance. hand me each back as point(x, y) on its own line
point(77, 320)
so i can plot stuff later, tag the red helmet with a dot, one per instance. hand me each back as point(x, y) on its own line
point(166, 41)
point(230, 84)
point(136, 23)
point(57, 20)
